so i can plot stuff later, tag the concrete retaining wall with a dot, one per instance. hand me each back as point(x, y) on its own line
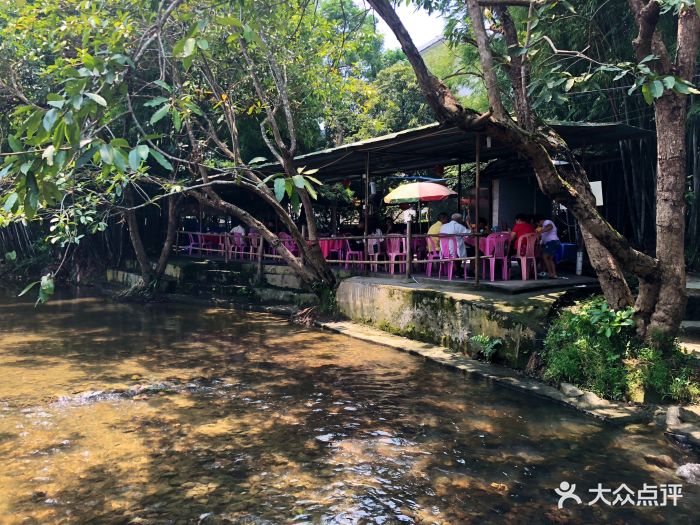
point(446, 318)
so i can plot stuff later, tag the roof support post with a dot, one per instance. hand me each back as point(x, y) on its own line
point(459, 187)
point(476, 207)
point(366, 232)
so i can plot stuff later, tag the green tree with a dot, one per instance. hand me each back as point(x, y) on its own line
point(663, 76)
point(123, 101)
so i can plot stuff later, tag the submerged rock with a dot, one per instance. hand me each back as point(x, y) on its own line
point(690, 414)
point(662, 461)
point(570, 390)
point(593, 401)
point(689, 472)
point(673, 416)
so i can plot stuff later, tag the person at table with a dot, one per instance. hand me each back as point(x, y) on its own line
point(434, 230)
point(459, 230)
point(549, 240)
point(482, 227)
point(238, 229)
point(521, 227)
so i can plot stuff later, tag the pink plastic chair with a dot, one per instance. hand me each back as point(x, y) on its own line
point(289, 243)
point(253, 247)
point(526, 254)
point(351, 254)
point(194, 243)
point(497, 248)
point(448, 246)
point(235, 245)
point(212, 243)
point(396, 251)
point(374, 250)
point(337, 247)
point(432, 255)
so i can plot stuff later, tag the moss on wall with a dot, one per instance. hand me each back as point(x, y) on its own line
point(444, 318)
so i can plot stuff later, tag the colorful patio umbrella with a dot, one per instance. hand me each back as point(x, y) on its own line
point(418, 192)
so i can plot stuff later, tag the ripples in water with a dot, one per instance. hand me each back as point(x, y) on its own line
point(166, 414)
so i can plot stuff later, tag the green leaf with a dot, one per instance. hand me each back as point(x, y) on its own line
point(142, 151)
point(157, 101)
point(134, 159)
point(119, 143)
point(310, 189)
point(10, 202)
point(27, 288)
point(15, 144)
point(160, 159)
point(669, 82)
point(697, 7)
point(119, 160)
point(569, 84)
point(203, 44)
point(298, 181)
point(279, 189)
point(5, 170)
point(289, 187)
point(107, 154)
point(656, 89)
point(188, 48)
point(97, 98)
point(177, 120)
point(646, 93)
point(50, 119)
point(257, 160)
point(229, 21)
point(314, 180)
point(46, 288)
point(164, 85)
point(160, 114)
point(681, 86)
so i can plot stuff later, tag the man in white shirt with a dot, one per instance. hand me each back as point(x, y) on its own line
point(455, 227)
point(238, 229)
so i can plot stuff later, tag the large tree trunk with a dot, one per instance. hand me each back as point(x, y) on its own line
point(661, 300)
point(136, 241)
point(170, 236)
point(670, 214)
point(612, 281)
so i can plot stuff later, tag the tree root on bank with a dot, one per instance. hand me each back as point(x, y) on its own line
point(306, 316)
point(140, 293)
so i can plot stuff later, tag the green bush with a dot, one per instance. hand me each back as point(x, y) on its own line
point(596, 348)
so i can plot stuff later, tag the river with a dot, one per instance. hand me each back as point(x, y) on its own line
point(165, 413)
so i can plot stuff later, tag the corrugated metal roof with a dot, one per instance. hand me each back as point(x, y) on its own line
point(436, 144)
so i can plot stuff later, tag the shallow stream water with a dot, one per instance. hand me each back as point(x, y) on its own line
point(114, 413)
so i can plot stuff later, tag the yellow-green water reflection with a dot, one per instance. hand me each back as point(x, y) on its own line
point(113, 413)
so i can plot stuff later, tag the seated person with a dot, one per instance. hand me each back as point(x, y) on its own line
point(520, 228)
point(455, 227)
point(550, 244)
point(482, 227)
point(238, 229)
point(434, 230)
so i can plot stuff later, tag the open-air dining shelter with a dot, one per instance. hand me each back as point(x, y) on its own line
point(436, 146)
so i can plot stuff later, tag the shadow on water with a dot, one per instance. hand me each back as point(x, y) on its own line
point(267, 422)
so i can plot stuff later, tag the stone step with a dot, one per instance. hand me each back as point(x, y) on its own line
point(226, 277)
